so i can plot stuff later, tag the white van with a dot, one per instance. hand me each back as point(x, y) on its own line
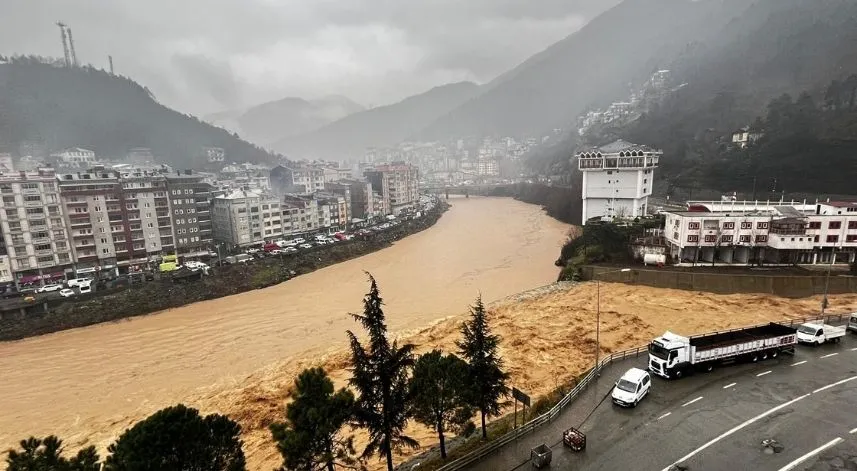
point(852, 322)
point(632, 387)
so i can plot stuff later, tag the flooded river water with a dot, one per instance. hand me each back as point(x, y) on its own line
point(85, 384)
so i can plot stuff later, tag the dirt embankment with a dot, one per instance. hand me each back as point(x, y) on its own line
point(157, 296)
point(548, 339)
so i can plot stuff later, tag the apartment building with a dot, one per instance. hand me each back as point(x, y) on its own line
point(745, 232)
point(300, 214)
point(303, 179)
point(35, 237)
point(75, 157)
point(617, 180)
point(190, 204)
point(332, 212)
point(245, 217)
point(397, 183)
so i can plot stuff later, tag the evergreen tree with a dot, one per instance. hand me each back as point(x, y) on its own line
point(437, 392)
point(487, 380)
point(380, 376)
point(178, 438)
point(309, 440)
point(46, 455)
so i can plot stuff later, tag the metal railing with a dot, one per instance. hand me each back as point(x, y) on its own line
point(554, 411)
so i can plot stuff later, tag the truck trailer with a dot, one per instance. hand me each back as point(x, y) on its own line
point(673, 356)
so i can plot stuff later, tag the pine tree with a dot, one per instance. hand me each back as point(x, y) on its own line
point(309, 439)
point(478, 347)
point(380, 376)
point(437, 391)
point(46, 454)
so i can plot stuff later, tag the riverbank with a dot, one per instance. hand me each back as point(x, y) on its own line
point(160, 295)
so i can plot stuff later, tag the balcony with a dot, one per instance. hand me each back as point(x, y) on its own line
point(31, 191)
point(47, 264)
point(33, 204)
point(41, 240)
point(38, 227)
point(45, 252)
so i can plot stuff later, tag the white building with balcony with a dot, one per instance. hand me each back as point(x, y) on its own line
point(745, 232)
point(617, 180)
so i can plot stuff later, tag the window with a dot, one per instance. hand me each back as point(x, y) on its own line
point(832, 238)
point(815, 239)
point(852, 224)
point(693, 225)
point(851, 238)
point(746, 225)
point(744, 239)
point(726, 239)
point(729, 225)
point(105, 250)
point(814, 225)
point(33, 198)
point(693, 238)
point(43, 247)
point(9, 199)
point(834, 225)
point(761, 238)
point(711, 239)
point(46, 259)
point(761, 225)
point(35, 211)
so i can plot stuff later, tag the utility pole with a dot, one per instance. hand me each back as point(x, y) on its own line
point(64, 43)
point(71, 46)
point(110, 60)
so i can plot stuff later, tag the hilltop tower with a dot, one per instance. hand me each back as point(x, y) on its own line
point(617, 180)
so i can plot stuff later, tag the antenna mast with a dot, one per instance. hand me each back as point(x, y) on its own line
point(64, 43)
point(110, 59)
point(71, 46)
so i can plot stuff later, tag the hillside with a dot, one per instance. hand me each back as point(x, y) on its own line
point(590, 67)
point(269, 122)
point(382, 126)
point(57, 108)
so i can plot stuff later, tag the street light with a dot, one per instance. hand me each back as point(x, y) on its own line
point(598, 315)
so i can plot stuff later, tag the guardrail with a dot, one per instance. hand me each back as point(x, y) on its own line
point(554, 411)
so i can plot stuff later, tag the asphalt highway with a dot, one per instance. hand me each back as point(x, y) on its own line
point(803, 406)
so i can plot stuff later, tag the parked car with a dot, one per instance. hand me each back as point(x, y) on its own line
point(306, 246)
point(243, 258)
point(276, 251)
point(78, 282)
point(300, 240)
point(852, 322)
point(632, 387)
point(49, 288)
point(85, 289)
point(290, 250)
point(66, 292)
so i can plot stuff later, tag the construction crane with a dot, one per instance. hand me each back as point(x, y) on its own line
point(64, 43)
point(71, 46)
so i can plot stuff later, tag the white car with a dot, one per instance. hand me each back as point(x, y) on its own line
point(290, 250)
point(67, 292)
point(276, 252)
point(306, 246)
point(49, 288)
point(84, 289)
point(78, 282)
point(632, 387)
point(299, 240)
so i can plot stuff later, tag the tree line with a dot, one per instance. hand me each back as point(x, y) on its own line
point(390, 385)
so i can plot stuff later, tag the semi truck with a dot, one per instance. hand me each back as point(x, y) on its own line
point(673, 356)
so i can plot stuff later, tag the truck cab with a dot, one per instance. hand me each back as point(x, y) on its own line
point(852, 322)
point(668, 354)
point(818, 334)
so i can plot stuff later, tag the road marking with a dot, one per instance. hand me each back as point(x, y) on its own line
point(764, 373)
point(835, 384)
point(729, 385)
point(830, 355)
point(799, 363)
point(735, 429)
point(853, 431)
point(812, 453)
point(663, 416)
point(691, 402)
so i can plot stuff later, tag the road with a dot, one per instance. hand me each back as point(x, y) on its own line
point(807, 403)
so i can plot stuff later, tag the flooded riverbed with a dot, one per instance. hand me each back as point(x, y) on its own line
point(85, 385)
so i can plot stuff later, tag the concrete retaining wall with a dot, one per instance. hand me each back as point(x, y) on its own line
point(790, 286)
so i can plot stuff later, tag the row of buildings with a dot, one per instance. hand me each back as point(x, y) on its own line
point(58, 226)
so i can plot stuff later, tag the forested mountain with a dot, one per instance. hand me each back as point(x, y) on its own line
point(731, 75)
point(593, 66)
point(382, 126)
point(292, 116)
point(57, 107)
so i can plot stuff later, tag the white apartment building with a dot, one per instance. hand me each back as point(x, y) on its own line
point(397, 183)
point(35, 236)
point(488, 167)
point(299, 179)
point(245, 217)
point(75, 157)
point(617, 180)
point(744, 232)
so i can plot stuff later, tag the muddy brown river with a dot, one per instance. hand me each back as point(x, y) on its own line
point(84, 384)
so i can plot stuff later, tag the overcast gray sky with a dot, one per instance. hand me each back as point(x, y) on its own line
point(202, 56)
